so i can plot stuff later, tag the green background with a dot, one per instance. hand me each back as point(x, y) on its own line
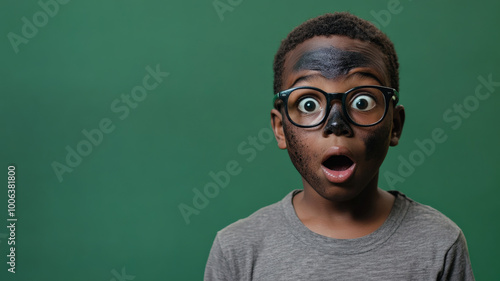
point(118, 209)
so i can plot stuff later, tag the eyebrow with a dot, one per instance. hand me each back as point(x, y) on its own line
point(365, 74)
point(306, 78)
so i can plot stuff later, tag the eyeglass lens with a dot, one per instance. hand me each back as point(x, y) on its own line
point(308, 107)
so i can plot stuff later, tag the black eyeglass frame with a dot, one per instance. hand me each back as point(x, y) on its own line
point(389, 94)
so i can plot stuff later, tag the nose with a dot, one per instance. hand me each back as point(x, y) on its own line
point(337, 123)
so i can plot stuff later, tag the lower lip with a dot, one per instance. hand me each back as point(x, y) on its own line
point(338, 176)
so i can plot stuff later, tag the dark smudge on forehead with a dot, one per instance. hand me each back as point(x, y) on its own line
point(330, 61)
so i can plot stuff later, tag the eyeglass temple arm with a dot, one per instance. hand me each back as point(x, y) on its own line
point(275, 98)
point(395, 97)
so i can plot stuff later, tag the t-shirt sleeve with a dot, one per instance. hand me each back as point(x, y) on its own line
point(457, 263)
point(217, 268)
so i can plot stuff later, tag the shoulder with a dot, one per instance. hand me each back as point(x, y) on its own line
point(255, 225)
point(427, 224)
point(435, 237)
point(250, 234)
point(236, 246)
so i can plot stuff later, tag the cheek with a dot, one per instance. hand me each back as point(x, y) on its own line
point(297, 147)
point(301, 155)
point(377, 142)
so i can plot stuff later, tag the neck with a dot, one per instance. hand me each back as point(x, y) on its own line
point(344, 216)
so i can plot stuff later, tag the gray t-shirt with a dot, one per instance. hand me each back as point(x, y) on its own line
point(416, 242)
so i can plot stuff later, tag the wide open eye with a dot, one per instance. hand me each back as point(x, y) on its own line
point(363, 103)
point(309, 105)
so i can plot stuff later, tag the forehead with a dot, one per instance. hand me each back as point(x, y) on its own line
point(333, 57)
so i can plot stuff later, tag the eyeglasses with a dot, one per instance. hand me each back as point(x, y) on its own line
point(363, 106)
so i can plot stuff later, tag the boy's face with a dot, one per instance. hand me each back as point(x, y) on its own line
point(337, 159)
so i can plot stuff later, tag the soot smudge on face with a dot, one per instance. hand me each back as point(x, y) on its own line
point(298, 152)
point(330, 61)
point(337, 123)
point(377, 143)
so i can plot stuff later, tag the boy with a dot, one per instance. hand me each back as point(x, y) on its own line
point(336, 113)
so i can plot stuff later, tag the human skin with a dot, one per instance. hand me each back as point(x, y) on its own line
point(354, 206)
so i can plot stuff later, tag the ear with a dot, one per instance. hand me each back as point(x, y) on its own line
point(398, 120)
point(277, 124)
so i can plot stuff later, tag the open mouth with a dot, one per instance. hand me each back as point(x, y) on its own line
point(338, 168)
point(338, 163)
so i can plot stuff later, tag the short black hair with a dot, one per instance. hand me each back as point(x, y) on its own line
point(343, 24)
